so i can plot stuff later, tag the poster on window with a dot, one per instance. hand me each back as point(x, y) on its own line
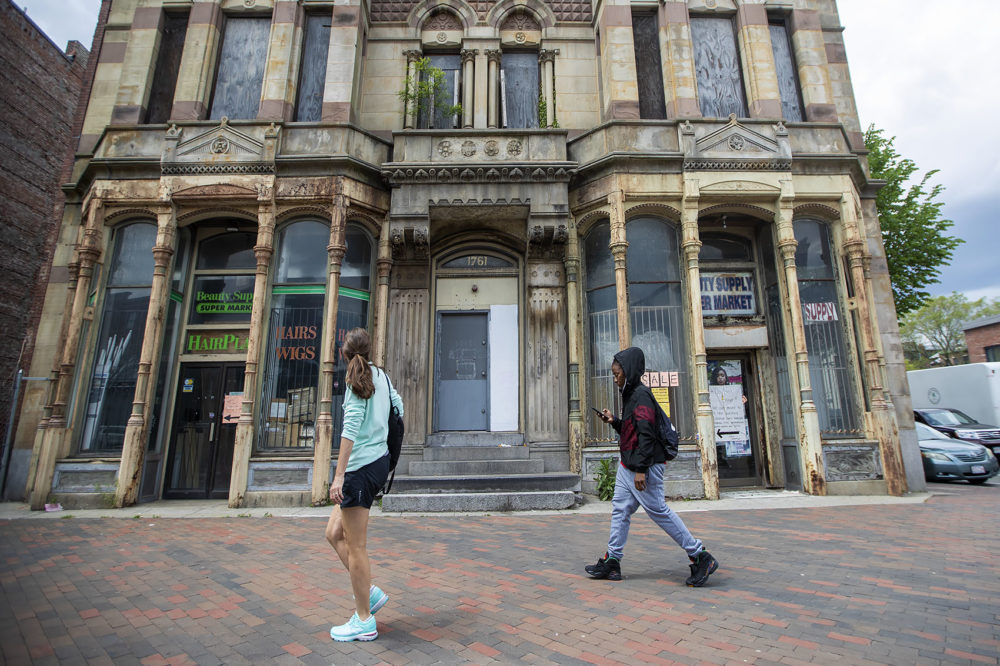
point(732, 430)
point(819, 312)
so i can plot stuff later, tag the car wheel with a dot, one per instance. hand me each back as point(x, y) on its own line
point(978, 482)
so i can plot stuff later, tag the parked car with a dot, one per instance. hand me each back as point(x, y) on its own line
point(960, 425)
point(946, 458)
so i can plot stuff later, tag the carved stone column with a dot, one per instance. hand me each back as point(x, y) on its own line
point(384, 268)
point(883, 413)
point(468, 85)
point(574, 344)
point(244, 427)
point(492, 108)
point(57, 432)
point(136, 430)
point(691, 244)
point(810, 441)
point(410, 107)
point(547, 59)
point(324, 424)
point(619, 249)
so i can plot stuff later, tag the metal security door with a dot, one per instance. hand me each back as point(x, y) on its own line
point(204, 433)
point(461, 400)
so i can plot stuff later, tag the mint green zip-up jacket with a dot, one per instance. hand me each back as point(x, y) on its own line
point(366, 422)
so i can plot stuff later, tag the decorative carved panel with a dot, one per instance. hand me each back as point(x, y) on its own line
point(545, 372)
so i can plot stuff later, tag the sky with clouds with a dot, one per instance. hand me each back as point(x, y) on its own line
point(924, 72)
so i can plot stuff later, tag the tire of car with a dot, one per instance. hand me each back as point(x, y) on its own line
point(978, 482)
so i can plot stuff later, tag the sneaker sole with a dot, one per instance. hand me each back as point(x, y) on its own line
point(357, 637)
point(378, 604)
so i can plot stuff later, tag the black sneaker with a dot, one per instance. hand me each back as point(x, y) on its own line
point(606, 567)
point(703, 565)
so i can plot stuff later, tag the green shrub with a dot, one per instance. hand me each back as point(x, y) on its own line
point(606, 479)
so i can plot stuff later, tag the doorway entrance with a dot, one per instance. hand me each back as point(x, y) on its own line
point(206, 412)
point(462, 381)
point(737, 446)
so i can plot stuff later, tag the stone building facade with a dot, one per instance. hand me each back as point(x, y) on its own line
point(40, 89)
point(256, 177)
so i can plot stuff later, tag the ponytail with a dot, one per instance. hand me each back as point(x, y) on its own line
point(357, 348)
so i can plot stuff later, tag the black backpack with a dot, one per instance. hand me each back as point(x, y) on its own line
point(666, 433)
point(395, 439)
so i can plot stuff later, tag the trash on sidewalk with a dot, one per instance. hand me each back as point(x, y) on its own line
point(53, 507)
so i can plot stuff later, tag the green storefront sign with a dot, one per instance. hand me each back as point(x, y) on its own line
point(216, 341)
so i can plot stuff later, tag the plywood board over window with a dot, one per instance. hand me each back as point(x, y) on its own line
point(240, 75)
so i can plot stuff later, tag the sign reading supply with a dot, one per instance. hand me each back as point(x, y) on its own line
point(222, 298)
point(728, 294)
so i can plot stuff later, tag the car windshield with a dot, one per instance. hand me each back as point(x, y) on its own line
point(924, 431)
point(947, 417)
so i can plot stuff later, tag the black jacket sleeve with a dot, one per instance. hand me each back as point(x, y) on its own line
point(644, 418)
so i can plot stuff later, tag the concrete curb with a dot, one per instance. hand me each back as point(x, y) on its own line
point(732, 501)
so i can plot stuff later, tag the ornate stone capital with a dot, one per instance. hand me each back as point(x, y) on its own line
point(547, 55)
point(413, 55)
point(494, 55)
point(468, 55)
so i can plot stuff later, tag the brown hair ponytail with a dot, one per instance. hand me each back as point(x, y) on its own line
point(356, 350)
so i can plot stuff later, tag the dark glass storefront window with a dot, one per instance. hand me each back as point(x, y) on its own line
point(830, 367)
point(119, 340)
point(656, 310)
point(602, 326)
point(292, 367)
point(352, 309)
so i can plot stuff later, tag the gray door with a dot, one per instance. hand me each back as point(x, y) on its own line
point(462, 361)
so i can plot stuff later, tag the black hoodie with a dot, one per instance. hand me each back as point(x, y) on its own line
point(637, 427)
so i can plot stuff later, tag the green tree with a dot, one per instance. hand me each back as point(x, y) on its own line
point(427, 90)
point(934, 335)
point(913, 231)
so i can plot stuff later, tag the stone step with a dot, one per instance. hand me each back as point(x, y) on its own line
point(500, 501)
point(472, 467)
point(475, 438)
point(440, 453)
point(486, 483)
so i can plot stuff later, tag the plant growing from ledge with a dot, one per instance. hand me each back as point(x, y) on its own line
point(426, 91)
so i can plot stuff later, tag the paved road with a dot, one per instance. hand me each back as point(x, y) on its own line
point(915, 583)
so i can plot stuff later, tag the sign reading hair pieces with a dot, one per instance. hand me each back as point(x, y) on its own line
point(728, 294)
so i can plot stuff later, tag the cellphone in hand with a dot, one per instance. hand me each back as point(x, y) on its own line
point(599, 413)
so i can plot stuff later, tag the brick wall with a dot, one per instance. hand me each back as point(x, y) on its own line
point(978, 339)
point(41, 88)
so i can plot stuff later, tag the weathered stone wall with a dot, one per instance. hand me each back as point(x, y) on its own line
point(41, 86)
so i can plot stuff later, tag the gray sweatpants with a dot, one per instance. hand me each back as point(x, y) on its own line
point(627, 499)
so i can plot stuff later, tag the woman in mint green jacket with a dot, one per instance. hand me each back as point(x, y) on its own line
point(362, 470)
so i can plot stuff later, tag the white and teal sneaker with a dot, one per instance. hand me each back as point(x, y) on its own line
point(376, 599)
point(355, 630)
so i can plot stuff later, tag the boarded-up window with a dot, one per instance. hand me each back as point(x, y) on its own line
point(241, 68)
point(717, 64)
point(646, 38)
point(519, 84)
point(313, 76)
point(168, 63)
point(433, 113)
point(788, 74)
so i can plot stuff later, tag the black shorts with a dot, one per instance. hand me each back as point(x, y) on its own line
point(362, 485)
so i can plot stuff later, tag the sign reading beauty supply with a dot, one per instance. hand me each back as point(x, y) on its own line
point(729, 294)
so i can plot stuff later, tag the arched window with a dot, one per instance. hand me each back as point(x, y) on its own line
point(656, 310)
point(119, 340)
point(602, 324)
point(833, 381)
point(294, 343)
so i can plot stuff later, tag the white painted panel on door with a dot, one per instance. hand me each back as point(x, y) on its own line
point(504, 365)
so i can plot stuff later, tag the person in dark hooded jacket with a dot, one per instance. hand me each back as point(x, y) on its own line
point(639, 480)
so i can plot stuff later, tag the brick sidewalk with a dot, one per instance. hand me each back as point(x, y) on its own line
point(886, 584)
